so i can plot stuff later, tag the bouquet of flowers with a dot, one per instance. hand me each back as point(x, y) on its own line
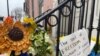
point(22, 37)
point(42, 44)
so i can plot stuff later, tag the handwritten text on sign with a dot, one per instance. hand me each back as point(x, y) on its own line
point(76, 44)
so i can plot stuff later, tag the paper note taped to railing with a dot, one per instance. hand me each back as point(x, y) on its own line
point(75, 44)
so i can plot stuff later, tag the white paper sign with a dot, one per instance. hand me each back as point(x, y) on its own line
point(76, 44)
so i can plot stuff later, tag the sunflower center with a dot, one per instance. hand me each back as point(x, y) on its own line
point(15, 34)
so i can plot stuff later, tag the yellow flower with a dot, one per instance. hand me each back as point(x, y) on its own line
point(32, 23)
point(18, 41)
point(28, 20)
point(3, 42)
point(15, 38)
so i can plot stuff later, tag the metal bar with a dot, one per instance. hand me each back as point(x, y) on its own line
point(91, 19)
point(59, 1)
point(8, 7)
point(62, 24)
point(46, 24)
point(79, 18)
point(43, 13)
point(70, 19)
point(58, 34)
point(98, 33)
point(52, 11)
point(65, 26)
point(82, 15)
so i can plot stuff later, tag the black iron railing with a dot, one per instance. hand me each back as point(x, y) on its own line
point(70, 17)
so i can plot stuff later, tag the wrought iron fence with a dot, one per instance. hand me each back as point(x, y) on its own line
point(71, 15)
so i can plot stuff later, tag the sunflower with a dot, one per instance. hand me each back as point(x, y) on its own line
point(13, 37)
point(18, 38)
point(2, 39)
